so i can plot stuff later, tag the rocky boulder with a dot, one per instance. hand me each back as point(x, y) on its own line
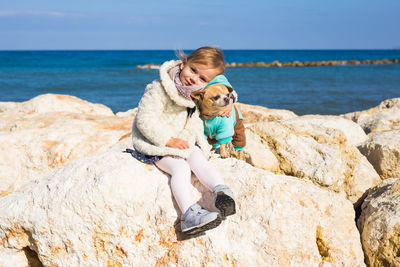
point(384, 117)
point(55, 103)
point(112, 210)
point(258, 154)
point(383, 152)
point(253, 113)
point(321, 149)
point(379, 224)
point(48, 131)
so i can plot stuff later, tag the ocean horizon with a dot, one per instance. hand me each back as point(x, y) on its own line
point(110, 77)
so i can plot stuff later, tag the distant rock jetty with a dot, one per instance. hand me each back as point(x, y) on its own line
point(296, 63)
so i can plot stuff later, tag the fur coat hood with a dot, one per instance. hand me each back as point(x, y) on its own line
point(162, 115)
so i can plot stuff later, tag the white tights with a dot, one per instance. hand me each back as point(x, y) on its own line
point(180, 171)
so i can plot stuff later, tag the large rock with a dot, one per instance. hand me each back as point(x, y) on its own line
point(112, 210)
point(382, 149)
point(384, 117)
point(353, 133)
point(15, 258)
point(55, 103)
point(258, 154)
point(253, 114)
point(322, 150)
point(379, 224)
point(48, 131)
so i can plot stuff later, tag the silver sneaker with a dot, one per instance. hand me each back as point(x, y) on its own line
point(224, 200)
point(196, 220)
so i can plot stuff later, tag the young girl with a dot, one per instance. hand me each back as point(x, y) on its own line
point(169, 132)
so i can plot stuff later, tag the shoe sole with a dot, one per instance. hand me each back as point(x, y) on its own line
point(205, 227)
point(225, 204)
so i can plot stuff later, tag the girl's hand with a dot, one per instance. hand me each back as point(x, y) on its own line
point(177, 143)
point(226, 111)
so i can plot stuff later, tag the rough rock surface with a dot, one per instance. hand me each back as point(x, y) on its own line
point(49, 130)
point(70, 197)
point(384, 117)
point(14, 257)
point(315, 149)
point(353, 133)
point(382, 149)
point(379, 224)
point(258, 153)
point(253, 114)
point(112, 210)
point(55, 103)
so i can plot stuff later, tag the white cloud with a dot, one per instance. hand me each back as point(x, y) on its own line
point(32, 12)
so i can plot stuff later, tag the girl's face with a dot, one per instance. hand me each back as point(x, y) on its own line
point(196, 74)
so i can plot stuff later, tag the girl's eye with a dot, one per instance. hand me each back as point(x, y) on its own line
point(193, 69)
point(202, 79)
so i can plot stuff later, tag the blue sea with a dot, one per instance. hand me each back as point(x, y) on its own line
point(111, 78)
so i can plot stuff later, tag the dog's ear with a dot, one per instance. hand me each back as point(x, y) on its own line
point(230, 89)
point(198, 95)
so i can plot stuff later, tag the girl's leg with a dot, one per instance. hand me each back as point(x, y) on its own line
point(210, 177)
point(204, 170)
point(194, 218)
point(180, 180)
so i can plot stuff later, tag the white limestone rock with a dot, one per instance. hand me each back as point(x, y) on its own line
point(379, 224)
point(44, 133)
point(252, 113)
point(384, 117)
point(112, 210)
point(319, 150)
point(55, 103)
point(258, 154)
point(382, 149)
point(6, 106)
point(353, 133)
point(131, 113)
point(14, 257)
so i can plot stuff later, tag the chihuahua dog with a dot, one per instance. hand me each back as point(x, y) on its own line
point(220, 130)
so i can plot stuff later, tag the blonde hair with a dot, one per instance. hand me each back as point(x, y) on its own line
point(206, 55)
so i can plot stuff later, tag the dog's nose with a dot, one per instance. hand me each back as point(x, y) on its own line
point(226, 100)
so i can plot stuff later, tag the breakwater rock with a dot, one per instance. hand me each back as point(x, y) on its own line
point(296, 63)
point(48, 131)
point(382, 124)
point(110, 209)
point(380, 224)
point(321, 149)
point(69, 196)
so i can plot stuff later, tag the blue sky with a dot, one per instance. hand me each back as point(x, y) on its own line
point(178, 24)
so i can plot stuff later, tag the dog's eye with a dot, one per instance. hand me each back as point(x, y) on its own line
point(216, 97)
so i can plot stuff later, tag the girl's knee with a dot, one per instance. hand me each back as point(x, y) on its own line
point(183, 168)
point(170, 164)
point(196, 156)
point(178, 167)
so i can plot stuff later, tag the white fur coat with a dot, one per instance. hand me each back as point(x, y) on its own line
point(162, 114)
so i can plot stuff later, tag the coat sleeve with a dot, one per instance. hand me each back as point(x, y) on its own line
point(195, 128)
point(203, 143)
point(147, 118)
